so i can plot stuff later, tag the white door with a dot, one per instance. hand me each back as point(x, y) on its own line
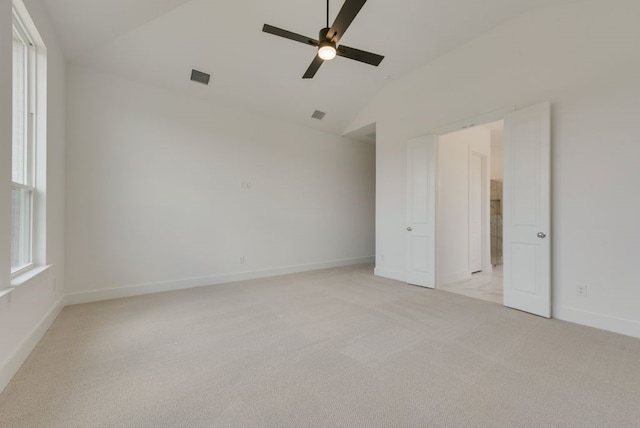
point(421, 211)
point(527, 250)
point(475, 212)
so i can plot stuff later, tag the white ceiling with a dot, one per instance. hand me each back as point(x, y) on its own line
point(160, 41)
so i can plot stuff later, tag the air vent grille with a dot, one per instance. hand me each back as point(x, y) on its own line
point(200, 77)
point(318, 114)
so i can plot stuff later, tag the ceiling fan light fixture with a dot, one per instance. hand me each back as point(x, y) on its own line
point(327, 50)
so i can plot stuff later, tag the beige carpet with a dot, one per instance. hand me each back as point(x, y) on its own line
point(331, 348)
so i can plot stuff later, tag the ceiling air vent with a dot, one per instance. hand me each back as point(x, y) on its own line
point(318, 114)
point(200, 77)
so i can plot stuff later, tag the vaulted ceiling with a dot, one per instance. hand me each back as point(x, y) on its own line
point(160, 41)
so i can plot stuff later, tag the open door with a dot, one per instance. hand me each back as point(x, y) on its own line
point(421, 211)
point(527, 218)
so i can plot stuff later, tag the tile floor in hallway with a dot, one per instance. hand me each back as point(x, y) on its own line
point(482, 285)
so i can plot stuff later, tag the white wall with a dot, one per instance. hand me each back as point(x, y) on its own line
point(155, 197)
point(27, 312)
point(583, 57)
point(452, 236)
point(497, 154)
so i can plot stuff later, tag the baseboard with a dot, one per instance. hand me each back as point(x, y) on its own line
point(603, 322)
point(390, 273)
point(13, 363)
point(450, 278)
point(158, 287)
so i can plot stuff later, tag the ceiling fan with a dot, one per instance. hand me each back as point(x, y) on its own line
point(327, 42)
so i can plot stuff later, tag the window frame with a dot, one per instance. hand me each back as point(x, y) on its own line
point(31, 240)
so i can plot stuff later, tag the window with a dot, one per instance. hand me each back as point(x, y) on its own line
point(26, 99)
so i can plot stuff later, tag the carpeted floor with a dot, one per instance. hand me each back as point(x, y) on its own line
point(330, 348)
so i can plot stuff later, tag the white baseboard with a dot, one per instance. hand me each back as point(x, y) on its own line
point(449, 278)
point(603, 322)
point(12, 364)
point(390, 273)
point(158, 287)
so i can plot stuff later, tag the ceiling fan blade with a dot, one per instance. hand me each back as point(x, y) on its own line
point(345, 17)
point(358, 55)
point(289, 35)
point(313, 68)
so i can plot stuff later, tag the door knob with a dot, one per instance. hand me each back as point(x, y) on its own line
point(541, 235)
point(409, 229)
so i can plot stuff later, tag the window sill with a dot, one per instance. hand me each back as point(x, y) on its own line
point(27, 276)
point(6, 292)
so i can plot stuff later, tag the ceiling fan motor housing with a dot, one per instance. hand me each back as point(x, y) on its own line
point(323, 34)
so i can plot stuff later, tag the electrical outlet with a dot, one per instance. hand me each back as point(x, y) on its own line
point(581, 290)
point(55, 285)
point(241, 260)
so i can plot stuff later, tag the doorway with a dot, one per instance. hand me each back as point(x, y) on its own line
point(468, 230)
